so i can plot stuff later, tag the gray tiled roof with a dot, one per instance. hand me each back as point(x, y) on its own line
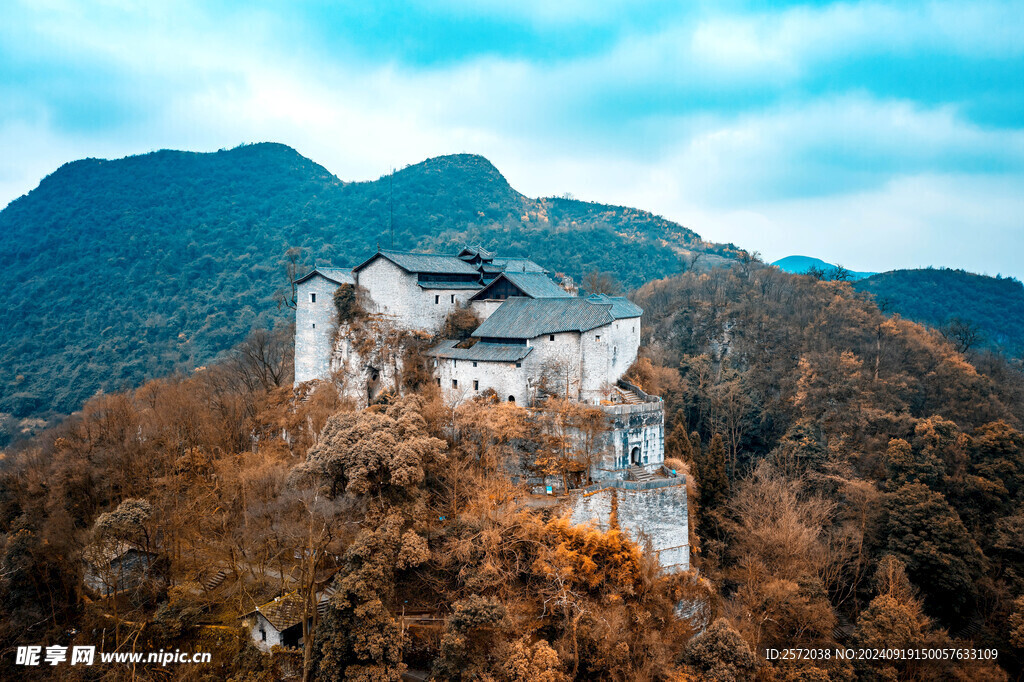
point(476, 250)
point(284, 612)
point(532, 284)
point(512, 265)
point(621, 306)
point(336, 275)
point(527, 318)
point(423, 262)
point(450, 285)
point(482, 352)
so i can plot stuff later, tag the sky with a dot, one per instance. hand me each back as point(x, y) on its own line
point(876, 135)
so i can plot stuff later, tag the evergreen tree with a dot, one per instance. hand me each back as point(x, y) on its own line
point(711, 478)
point(942, 559)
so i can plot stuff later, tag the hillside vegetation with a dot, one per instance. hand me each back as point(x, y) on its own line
point(854, 482)
point(941, 298)
point(120, 271)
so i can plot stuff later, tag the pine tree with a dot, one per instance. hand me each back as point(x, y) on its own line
point(711, 476)
point(677, 444)
point(697, 455)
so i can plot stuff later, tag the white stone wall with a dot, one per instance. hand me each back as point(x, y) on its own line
point(397, 294)
point(315, 323)
point(504, 377)
point(590, 366)
point(660, 515)
point(607, 352)
point(483, 309)
point(558, 361)
point(273, 636)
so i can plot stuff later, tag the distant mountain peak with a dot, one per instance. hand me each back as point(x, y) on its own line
point(460, 168)
point(799, 265)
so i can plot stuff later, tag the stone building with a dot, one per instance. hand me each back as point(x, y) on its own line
point(536, 338)
point(315, 322)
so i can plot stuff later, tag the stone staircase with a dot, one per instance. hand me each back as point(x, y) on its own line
point(627, 396)
point(324, 599)
point(640, 474)
point(215, 580)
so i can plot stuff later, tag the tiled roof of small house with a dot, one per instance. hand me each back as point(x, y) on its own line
point(512, 264)
point(622, 307)
point(532, 284)
point(482, 352)
point(284, 611)
point(527, 318)
point(432, 263)
point(476, 250)
point(336, 275)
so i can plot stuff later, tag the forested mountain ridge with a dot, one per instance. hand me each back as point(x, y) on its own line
point(120, 271)
point(990, 309)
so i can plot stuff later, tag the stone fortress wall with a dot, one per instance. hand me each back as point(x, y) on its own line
point(655, 512)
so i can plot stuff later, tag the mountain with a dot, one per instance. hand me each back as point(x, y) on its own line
point(119, 271)
point(994, 306)
point(799, 265)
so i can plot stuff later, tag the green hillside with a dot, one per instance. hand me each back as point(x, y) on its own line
point(119, 271)
point(994, 305)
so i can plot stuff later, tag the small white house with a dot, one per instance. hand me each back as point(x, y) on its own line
point(276, 623)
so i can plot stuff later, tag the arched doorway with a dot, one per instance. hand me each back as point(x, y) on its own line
point(634, 455)
point(511, 398)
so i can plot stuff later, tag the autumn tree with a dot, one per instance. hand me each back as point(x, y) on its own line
point(777, 537)
point(359, 637)
point(925, 532)
point(381, 452)
point(719, 653)
point(472, 633)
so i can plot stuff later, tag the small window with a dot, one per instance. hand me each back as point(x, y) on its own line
point(312, 297)
point(455, 383)
point(519, 364)
point(597, 337)
point(551, 338)
point(453, 298)
point(439, 381)
point(474, 364)
point(263, 634)
point(314, 325)
point(437, 299)
point(476, 385)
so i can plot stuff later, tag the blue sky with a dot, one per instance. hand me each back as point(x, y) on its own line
point(879, 135)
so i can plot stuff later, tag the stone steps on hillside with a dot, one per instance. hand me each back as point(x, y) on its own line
point(640, 474)
point(325, 599)
point(628, 396)
point(215, 580)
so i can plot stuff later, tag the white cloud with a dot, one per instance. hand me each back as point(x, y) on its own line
point(834, 177)
point(790, 40)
